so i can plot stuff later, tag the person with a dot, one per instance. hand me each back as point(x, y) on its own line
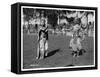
point(42, 40)
point(77, 38)
point(79, 30)
point(75, 42)
point(41, 45)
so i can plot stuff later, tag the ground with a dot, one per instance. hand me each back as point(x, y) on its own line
point(59, 54)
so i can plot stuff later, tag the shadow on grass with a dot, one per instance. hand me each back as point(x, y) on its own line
point(69, 65)
point(53, 52)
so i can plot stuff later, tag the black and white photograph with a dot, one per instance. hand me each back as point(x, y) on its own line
point(56, 38)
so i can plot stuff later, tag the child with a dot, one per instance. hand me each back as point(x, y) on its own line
point(41, 45)
point(75, 42)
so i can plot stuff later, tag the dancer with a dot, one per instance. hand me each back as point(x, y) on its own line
point(42, 40)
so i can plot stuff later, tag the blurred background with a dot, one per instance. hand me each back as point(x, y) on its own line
point(58, 21)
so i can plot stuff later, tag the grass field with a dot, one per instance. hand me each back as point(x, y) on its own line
point(59, 55)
